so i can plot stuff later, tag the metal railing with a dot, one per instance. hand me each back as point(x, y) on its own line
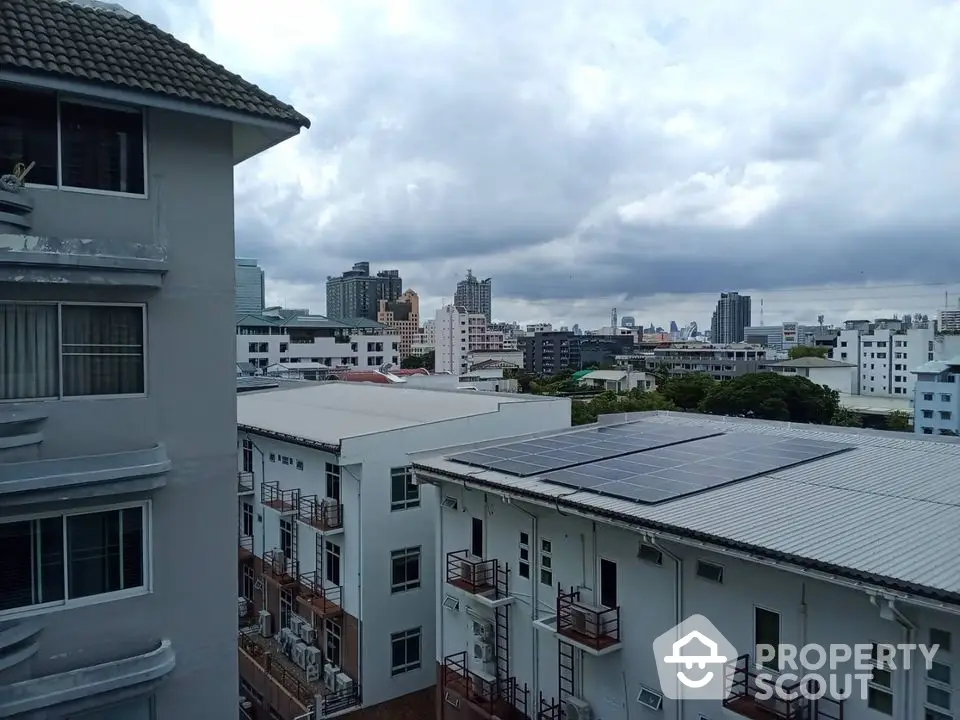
point(746, 699)
point(283, 500)
point(471, 574)
point(323, 514)
point(504, 699)
point(244, 482)
point(596, 628)
point(327, 599)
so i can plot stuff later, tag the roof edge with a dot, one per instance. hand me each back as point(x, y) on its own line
point(292, 439)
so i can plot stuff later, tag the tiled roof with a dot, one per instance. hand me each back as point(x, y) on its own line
point(110, 47)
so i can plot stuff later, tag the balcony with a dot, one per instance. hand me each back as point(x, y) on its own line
point(493, 698)
point(288, 690)
point(743, 699)
point(283, 501)
point(280, 567)
point(324, 601)
point(246, 548)
point(596, 630)
point(246, 613)
point(325, 515)
point(340, 700)
point(244, 483)
point(548, 709)
point(487, 580)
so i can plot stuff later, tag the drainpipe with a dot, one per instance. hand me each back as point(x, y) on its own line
point(889, 611)
point(442, 570)
point(263, 525)
point(678, 595)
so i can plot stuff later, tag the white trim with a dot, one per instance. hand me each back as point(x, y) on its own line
point(67, 603)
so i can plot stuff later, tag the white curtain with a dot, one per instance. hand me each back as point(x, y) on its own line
point(28, 351)
point(102, 350)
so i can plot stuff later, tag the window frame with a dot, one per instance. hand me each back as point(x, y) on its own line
point(332, 549)
point(878, 688)
point(60, 397)
point(545, 569)
point(67, 603)
point(405, 501)
point(72, 99)
point(775, 664)
point(523, 563)
point(403, 636)
point(405, 554)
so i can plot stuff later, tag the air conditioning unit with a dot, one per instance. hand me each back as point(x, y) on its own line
point(583, 623)
point(307, 633)
point(344, 682)
point(266, 623)
point(482, 630)
point(315, 657)
point(300, 655)
point(466, 571)
point(575, 708)
point(313, 673)
point(449, 503)
point(246, 704)
point(243, 607)
point(482, 651)
point(330, 673)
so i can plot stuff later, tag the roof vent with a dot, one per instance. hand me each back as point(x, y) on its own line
point(114, 8)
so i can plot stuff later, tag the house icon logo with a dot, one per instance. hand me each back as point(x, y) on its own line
point(692, 661)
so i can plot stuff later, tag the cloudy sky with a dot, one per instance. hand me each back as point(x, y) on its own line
point(638, 154)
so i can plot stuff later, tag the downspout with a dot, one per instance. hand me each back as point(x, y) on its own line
point(678, 595)
point(889, 611)
point(441, 580)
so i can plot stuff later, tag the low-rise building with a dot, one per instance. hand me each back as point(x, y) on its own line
point(721, 362)
point(294, 342)
point(617, 380)
point(936, 398)
point(569, 554)
point(836, 375)
point(336, 542)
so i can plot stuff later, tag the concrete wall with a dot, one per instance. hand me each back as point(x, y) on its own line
point(190, 405)
point(811, 611)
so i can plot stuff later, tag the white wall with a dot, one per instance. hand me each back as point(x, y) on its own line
point(811, 611)
point(323, 350)
point(840, 379)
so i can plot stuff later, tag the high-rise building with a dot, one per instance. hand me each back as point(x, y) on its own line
point(474, 295)
point(730, 318)
point(357, 293)
point(458, 333)
point(251, 287)
point(402, 316)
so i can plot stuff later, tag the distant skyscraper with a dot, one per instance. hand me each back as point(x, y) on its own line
point(250, 287)
point(474, 295)
point(628, 321)
point(673, 326)
point(357, 294)
point(730, 318)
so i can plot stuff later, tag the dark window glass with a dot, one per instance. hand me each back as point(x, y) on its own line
point(101, 149)
point(132, 548)
point(28, 133)
point(93, 546)
point(102, 350)
point(50, 538)
point(16, 565)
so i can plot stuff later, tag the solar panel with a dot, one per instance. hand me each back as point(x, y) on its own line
point(540, 455)
point(667, 473)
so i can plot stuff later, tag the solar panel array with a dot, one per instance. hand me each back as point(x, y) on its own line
point(668, 473)
point(542, 455)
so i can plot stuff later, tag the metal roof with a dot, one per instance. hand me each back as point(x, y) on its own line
point(888, 510)
point(306, 322)
point(106, 46)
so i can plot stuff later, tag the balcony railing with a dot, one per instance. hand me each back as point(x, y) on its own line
point(246, 547)
point(285, 501)
point(278, 671)
point(472, 574)
point(592, 627)
point(280, 567)
point(497, 698)
point(323, 514)
point(341, 699)
point(244, 483)
point(548, 709)
point(744, 690)
point(325, 601)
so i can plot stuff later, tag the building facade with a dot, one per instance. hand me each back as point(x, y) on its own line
point(730, 319)
point(118, 255)
point(251, 287)
point(357, 293)
point(886, 352)
point(551, 595)
point(936, 398)
point(300, 342)
point(459, 333)
point(836, 375)
point(475, 296)
point(337, 545)
point(402, 318)
point(550, 352)
point(718, 361)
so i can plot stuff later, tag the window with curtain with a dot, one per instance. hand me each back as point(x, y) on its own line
point(101, 148)
point(29, 351)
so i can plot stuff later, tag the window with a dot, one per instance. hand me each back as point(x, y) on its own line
point(404, 493)
point(63, 558)
point(710, 571)
point(608, 583)
point(333, 644)
point(299, 464)
point(404, 651)
point(333, 481)
point(286, 607)
point(476, 537)
point(546, 562)
point(286, 538)
point(332, 562)
point(405, 569)
point(246, 519)
point(524, 567)
point(248, 583)
point(880, 685)
point(650, 554)
point(945, 414)
point(766, 635)
point(247, 455)
point(51, 350)
point(941, 638)
point(74, 144)
point(944, 398)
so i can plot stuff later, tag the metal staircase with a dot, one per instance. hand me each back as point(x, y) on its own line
point(565, 660)
point(502, 628)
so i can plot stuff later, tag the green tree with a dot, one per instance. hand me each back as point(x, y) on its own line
point(844, 417)
point(687, 391)
point(898, 420)
point(427, 361)
point(606, 403)
point(803, 351)
point(772, 396)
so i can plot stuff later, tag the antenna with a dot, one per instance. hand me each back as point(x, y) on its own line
point(761, 311)
point(613, 319)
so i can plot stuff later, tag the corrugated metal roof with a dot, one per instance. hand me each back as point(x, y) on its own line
point(890, 508)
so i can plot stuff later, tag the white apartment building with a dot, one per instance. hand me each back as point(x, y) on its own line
point(885, 357)
point(554, 583)
point(721, 362)
point(284, 343)
point(836, 375)
point(336, 542)
point(459, 333)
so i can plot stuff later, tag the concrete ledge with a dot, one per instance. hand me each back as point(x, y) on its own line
point(20, 425)
point(18, 641)
point(64, 479)
point(84, 684)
